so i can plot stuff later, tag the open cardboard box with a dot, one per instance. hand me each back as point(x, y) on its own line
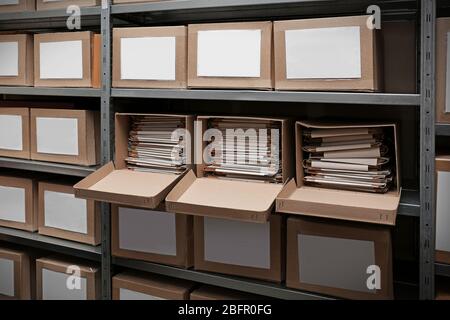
point(115, 183)
point(228, 198)
point(339, 204)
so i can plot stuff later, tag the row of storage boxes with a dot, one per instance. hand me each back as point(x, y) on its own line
point(41, 5)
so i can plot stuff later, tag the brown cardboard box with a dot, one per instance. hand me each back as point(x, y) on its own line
point(442, 70)
point(442, 288)
point(17, 274)
point(20, 52)
point(18, 203)
point(220, 73)
point(241, 248)
point(18, 6)
point(333, 258)
point(114, 183)
point(52, 278)
point(153, 236)
point(442, 209)
point(308, 70)
point(63, 4)
point(66, 136)
point(63, 216)
point(66, 59)
point(146, 56)
point(15, 132)
point(339, 204)
point(216, 293)
point(232, 199)
point(142, 286)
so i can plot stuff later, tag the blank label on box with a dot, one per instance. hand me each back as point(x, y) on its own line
point(447, 80)
point(9, 59)
point(443, 211)
point(323, 53)
point(229, 53)
point(148, 58)
point(147, 231)
point(57, 136)
point(237, 243)
point(11, 132)
point(64, 211)
point(55, 286)
point(126, 294)
point(7, 277)
point(12, 204)
point(61, 60)
point(335, 262)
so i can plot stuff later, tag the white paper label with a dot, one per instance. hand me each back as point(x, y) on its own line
point(54, 287)
point(447, 80)
point(443, 211)
point(64, 211)
point(323, 53)
point(148, 58)
point(9, 59)
point(61, 60)
point(126, 294)
point(7, 277)
point(12, 204)
point(11, 132)
point(57, 136)
point(237, 243)
point(8, 2)
point(229, 53)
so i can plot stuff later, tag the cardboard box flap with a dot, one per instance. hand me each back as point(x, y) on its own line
point(233, 199)
point(123, 186)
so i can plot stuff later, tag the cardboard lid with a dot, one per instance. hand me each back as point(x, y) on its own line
point(232, 199)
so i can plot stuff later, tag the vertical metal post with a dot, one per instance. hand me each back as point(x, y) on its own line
point(427, 149)
point(106, 138)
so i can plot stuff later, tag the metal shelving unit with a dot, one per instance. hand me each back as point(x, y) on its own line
point(66, 92)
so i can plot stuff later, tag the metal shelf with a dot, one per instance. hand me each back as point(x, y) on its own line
point(247, 285)
point(441, 269)
point(35, 240)
point(409, 203)
point(442, 129)
point(68, 92)
point(50, 167)
point(273, 96)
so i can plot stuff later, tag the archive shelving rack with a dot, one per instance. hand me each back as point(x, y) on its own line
point(417, 204)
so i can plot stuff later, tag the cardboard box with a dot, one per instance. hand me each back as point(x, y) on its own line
point(443, 70)
point(442, 288)
point(52, 277)
point(336, 258)
point(230, 55)
point(297, 198)
point(16, 60)
point(16, 274)
point(114, 183)
point(67, 59)
point(232, 199)
point(142, 286)
point(65, 136)
point(15, 132)
point(241, 248)
point(18, 203)
point(63, 4)
point(216, 293)
point(153, 236)
point(442, 209)
point(17, 5)
point(346, 57)
point(63, 216)
point(153, 57)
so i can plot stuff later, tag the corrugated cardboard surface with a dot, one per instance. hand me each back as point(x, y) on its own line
point(184, 242)
point(88, 136)
point(442, 164)
point(24, 5)
point(22, 273)
point(154, 285)
point(97, 61)
point(26, 71)
point(380, 236)
point(180, 34)
point(63, 4)
point(339, 204)
point(370, 76)
point(263, 82)
point(206, 292)
point(88, 270)
point(276, 271)
point(31, 204)
point(442, 28)
point(93, 235)
point(25, 115)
